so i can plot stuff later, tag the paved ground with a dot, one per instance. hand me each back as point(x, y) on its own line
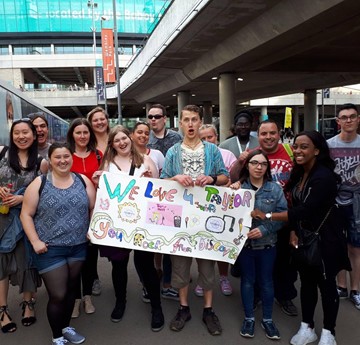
point(134, 329)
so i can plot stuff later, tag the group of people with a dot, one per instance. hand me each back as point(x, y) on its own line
point(300, 186)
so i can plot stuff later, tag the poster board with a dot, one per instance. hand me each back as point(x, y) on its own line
point(162, 216)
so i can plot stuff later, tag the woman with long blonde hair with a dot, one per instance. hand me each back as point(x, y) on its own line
point(122, 157)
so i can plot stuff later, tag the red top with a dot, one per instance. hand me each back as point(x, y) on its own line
point(86, 166)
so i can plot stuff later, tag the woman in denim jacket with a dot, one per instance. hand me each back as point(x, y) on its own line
point(258, 255)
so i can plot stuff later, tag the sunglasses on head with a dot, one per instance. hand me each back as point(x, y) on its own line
point(156, 117)
point(24, 119)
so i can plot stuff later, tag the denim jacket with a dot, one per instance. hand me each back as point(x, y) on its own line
point(268, 198)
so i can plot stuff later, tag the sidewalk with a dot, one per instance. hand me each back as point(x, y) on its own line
point(134, 329)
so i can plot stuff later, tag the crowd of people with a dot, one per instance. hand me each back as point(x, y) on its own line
point(311, 186)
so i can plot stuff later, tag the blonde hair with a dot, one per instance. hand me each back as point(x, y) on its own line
point(110, 153)
point(90, 115)
point(207, 126)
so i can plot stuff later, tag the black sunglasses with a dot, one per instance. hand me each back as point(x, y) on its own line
point(156, 117)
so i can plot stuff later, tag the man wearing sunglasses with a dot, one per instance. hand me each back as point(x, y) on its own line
point(161, 138)
point(345, 150)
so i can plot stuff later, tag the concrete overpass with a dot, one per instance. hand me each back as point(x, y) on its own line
point(275, 46)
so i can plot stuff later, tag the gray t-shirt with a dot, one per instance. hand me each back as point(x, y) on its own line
point(347, 158)
point(43, 152)
point(163, 144)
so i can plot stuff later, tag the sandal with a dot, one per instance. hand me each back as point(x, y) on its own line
point(29, 320)
point(9, 327)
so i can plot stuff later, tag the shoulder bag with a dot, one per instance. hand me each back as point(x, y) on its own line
point(309, 251)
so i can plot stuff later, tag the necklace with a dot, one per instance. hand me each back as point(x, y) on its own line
point(192, 146)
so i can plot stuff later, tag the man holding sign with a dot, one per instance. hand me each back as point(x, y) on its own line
point(194, 163)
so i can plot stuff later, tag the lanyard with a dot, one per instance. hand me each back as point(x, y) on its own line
point(246, 147)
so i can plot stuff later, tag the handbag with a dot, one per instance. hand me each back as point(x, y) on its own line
point(309, 251)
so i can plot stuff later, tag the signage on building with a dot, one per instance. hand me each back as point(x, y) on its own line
point(99, 84)
point(133, 16)
point(288, 117)
point(107, 44)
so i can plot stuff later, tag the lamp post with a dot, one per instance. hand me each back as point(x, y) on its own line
point(91, 4)
point(103, 18)
point(117, 70)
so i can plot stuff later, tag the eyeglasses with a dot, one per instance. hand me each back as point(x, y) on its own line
point(345, 118)
point(257, 163)
point(156, 117)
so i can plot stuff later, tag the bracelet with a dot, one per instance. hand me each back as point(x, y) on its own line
point(214, 178)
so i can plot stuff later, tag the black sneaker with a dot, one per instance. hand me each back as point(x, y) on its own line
point(270, 330)
point(178, 322)
point(248, 328)
point(118, 312)
point(212, 323)
point(355, 298)
point(170, 293)
point(145, 296)
point(343, 292)
point(157, 320)
point(288, 307)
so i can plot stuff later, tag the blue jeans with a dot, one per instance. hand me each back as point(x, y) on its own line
point(257, 265)
point(57, 256)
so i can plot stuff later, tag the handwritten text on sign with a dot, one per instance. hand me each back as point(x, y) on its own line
point(162, 216)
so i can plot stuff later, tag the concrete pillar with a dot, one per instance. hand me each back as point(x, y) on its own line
point(264, 115)
point(295, 120)
point(171, 120)
point(183, 99)
point(207, 112)
point(227, 103)
point(147, 107)
point(310, 110)
point(171, 116)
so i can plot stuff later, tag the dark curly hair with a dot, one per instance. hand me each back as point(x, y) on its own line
point(323, 158)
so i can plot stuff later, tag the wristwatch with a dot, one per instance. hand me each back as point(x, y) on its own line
point(268, 216)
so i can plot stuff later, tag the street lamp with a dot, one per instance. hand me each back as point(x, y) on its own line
point(117, 69)
point(103, 18)
point(91, 4)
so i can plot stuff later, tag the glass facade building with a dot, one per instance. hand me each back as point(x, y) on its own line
point(133, 16)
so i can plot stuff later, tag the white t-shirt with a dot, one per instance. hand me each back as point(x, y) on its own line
point(114, 169)
point(158, 158)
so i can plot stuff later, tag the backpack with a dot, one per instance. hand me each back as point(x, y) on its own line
point(43, 181)
point(289, 151)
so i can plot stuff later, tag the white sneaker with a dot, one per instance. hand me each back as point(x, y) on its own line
point(327, 338)
point(59, 341)
point(305, 335)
